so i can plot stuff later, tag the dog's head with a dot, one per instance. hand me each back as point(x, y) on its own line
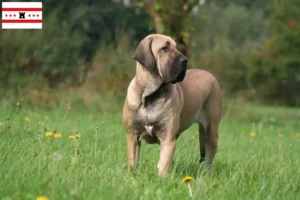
point(159, 52)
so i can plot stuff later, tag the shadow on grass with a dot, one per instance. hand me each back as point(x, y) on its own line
point(196, 169)
point(189, 168)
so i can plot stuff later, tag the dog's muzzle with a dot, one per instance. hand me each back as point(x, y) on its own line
point(183, 65)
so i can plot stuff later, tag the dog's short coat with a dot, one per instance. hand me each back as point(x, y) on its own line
point(164, 99)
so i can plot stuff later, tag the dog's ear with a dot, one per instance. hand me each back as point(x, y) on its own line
point(143, 53)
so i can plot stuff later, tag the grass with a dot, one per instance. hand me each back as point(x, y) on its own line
point(266, 166)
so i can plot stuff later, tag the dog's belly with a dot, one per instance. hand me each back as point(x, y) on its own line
point(184, 126)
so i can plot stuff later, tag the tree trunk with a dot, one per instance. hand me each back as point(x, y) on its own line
point(158, 23)
point(172, 19)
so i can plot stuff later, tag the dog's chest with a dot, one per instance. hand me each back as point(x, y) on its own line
point(149, 122)
point(150, 115)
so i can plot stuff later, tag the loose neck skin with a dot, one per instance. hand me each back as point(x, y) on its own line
point(147, 82)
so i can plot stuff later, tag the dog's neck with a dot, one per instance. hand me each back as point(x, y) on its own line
point(147, 81)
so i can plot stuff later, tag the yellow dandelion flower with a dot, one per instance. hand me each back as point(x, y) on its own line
point(27, 119)
point(42, 198)
point(187, 179)
point(298, 135)
point(46, 117)
point(77, 135)
point(71, 137)
point(1, 123)
point(252, 134)
point(57, 135)
point(48, 133)
point(91, 116)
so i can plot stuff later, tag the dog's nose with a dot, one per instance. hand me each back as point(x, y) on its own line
point(183, 60)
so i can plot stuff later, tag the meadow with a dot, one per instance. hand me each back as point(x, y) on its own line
point(61, 154)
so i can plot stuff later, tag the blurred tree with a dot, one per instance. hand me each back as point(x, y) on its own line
point(256, 4)
point(227, 37)
point(171, 17)
point(94, 22)
point(276, 68)
point(71, 35)
point(223, 39)
point(15, 54)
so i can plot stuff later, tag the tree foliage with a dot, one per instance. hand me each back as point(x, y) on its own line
point(71, 35)
point(276, 68)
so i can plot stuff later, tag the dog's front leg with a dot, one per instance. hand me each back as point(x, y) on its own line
point(133, 150)
point(167, 149)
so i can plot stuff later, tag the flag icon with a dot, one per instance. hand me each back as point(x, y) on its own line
point(22, 15)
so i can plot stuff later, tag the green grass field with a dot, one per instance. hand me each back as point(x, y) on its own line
point(264, 164)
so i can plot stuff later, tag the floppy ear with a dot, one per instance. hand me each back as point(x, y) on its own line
point(143, 54)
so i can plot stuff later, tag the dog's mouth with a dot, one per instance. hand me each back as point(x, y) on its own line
point(181, 74)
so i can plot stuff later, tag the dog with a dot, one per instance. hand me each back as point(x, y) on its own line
point(164, 99)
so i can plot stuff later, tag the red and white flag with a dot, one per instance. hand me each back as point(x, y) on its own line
point(22, 15)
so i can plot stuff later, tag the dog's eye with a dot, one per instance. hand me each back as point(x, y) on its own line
point(165, 48)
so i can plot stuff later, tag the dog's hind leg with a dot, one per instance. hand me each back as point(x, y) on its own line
point(209, 119)
point(210, 144)
point(202, 133)
point(208, 140)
